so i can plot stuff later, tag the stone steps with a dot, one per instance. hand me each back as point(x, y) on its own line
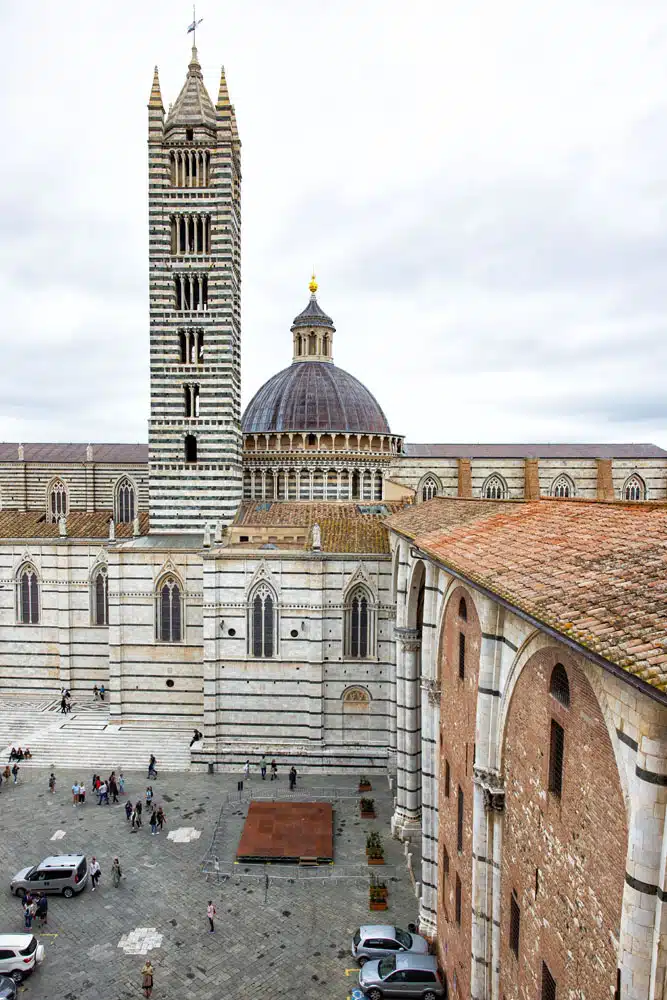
point(86, 739)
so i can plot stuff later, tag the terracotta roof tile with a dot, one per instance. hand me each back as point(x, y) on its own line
point(596, 572)
point(343, 526)
point(80, 524)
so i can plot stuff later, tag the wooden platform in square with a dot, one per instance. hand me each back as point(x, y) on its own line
point(289, 832)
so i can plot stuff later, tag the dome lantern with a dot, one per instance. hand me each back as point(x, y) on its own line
point(312, 331)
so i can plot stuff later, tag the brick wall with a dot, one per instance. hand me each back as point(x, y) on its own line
point(563, 857)
point(457, 743)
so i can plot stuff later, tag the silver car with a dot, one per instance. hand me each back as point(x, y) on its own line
point(402, 976)
point(63, 873)
point(377, 940)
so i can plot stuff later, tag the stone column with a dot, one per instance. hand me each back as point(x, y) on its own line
point(488, 805)
point(430, 729)
point(406, 819)
point(605, 483)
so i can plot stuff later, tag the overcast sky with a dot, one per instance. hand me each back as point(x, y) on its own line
point(482, 188)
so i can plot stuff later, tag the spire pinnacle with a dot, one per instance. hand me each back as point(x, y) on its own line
point(194, 61)
point(223, 92)
point(313, 284)
point(155, 100)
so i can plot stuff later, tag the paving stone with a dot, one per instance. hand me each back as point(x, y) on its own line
point(271, 939)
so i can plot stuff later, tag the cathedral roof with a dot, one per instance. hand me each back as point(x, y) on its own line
point(344, 526)
point(193, 106)
point(595, 572)
point(80, 524)
point(314, 396)
point(312, 315)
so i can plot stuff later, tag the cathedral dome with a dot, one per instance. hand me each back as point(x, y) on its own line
point(314, 396)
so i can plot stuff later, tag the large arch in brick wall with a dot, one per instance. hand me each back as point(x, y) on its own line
point(564, 831)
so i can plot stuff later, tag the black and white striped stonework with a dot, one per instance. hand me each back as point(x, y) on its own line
point(195, 325)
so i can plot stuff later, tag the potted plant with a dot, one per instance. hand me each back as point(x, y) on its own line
point(376, 852)
point(377, 896)
point(367, 807)
point(372, 841)
point(364, 785)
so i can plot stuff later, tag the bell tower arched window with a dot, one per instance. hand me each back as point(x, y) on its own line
point(169, 610)
point(359, 624)
point(100, 597)
point(125, 502)
point(262, 622)
point(27, 595)
point(57, 500)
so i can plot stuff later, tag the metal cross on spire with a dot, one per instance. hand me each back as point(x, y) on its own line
point(193, 26)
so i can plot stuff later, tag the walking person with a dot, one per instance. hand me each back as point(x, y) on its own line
point(28, 914)
point(96, 692)
point(138, 808)
point(161, 819)
point(149, 796)
point(152, 773)
point(103, 794)
point(82, 793)
point(121, 783)
point(15, 772)
point(262, 767)
point(210, 913)
point(95, 872)
point(246, 770)
point(42, 909)
point(75, 794)
point(274, 770)
point(147, 978)
point(102, 692)
point(128, 810)
point(153, 823)
point(63, 704)
point(113, 787)
point(52, 784)
point(116, 873)
point(292, 778)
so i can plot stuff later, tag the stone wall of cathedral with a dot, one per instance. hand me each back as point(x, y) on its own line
point(90, 486)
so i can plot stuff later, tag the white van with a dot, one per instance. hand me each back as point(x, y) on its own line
point(19, 954)
point(64, 873)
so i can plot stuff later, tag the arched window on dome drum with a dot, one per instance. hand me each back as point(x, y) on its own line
point(169, 612)
point(356, 485)
point(280, 485)
point(634, 488)
point(494, 488)
point(269, 486)
point(318, 485)
point(359, 625)
point(247, 485)
point(312, 343)
point(368, 485)
point(57, 500)
point(125, 502)
point(291, 485)
point(325, 345)
point(377, 492)
point(429, 489)
point(345, 485)
point(304, 484)
point(332, 485)
point(27, 595)
point(100, 597)
point(262, 623)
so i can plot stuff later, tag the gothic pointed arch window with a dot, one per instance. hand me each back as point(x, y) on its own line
point(634, 488)
point(125, 501)
point(495, 488)
point(27, 595)
point(562, 487)
point(169, 609)
point(428, 489)
point(359, 625)
point(57, 500)
point(262, 622)
point(99, 596)
point(356, 715)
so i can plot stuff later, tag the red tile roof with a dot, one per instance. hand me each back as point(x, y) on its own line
point(595, 572)
point(344, 528)
point(80, 524)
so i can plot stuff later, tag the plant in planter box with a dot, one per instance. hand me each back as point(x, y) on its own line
point(367, 807)
point(372, 842)
point(377, 896)
point(364, 785)
point(376, 852)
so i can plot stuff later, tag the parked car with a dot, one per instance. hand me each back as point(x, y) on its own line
point(65, 873)
point(377, 940)
point(19, 954)
point(402, 975)
point(7, 988)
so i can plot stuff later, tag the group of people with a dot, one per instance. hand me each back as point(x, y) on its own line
point(95, 872)
point(65, 701)
point(264, 766)
point(112, 786)
point(19, 754)
point(99, 692)
point(35, 907)
point(7, 774)
point(134, 814)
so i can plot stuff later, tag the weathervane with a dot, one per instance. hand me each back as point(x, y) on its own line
point(193, 26)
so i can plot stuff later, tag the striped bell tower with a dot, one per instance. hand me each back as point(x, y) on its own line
point(194, 218)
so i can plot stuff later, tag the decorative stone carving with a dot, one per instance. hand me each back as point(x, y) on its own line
point(317, 538)
point(493, 788)
point(112, 530)
point(356, 696)
point(432, 688)
point(207, 536)
point(409, 638)
point(62, 526)
point(89, 452)
point(21, 453)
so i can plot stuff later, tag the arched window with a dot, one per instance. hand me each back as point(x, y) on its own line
point(634, 488)
point(429, 489)
point(494, 488)
point(169, 610)
point(190, 448)
point(57, 500)
point(562, 487)
point(356, 715)
point(100, 597)
point(359, 625)
point(559, 685)
point(262, 622)
point(463, 609)
point(125, 505)
point(27, 595)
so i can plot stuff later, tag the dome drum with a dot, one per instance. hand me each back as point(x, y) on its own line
point(315, 442)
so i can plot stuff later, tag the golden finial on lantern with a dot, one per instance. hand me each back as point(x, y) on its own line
point(313, 285)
